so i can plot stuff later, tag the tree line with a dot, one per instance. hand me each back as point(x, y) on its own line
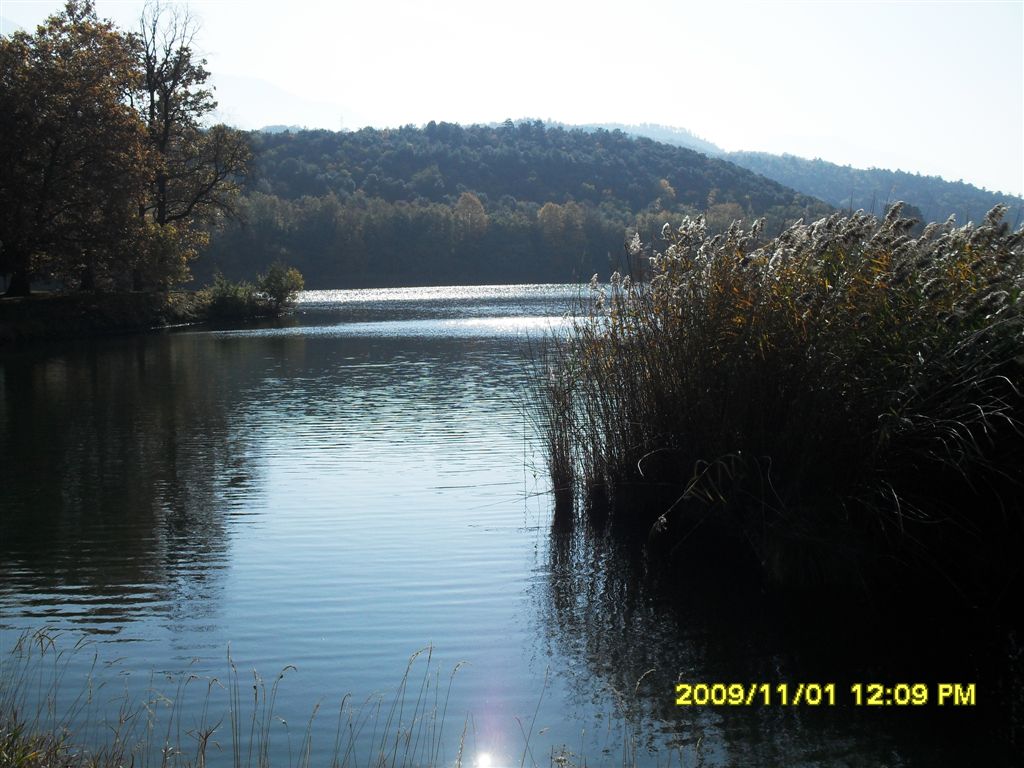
point(444, 203)
point(874, 190)
point(111, 179)
point(109, 176)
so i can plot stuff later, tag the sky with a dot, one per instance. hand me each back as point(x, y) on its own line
point(935, 88)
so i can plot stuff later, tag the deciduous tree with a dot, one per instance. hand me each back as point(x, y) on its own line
point(281, 284)
point(196, 169)
point(72, 151)
point(471, 219)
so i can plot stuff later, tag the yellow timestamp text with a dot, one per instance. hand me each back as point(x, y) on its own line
point(826, 694)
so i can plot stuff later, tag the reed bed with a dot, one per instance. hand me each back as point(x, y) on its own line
point(49, 718)
point(841, 404)
point(53, 717)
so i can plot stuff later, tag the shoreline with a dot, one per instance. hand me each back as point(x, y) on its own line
point(43, 317)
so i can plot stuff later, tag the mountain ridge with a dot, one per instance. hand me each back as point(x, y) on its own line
point(844, 186)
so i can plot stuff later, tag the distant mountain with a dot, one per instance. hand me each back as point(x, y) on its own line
point(251, 102)
point(872, 189)
point(281, 129)
point(447, 203)
point(850, 188)
point(677, 137)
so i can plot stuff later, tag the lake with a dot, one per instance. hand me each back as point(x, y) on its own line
point(360, 482)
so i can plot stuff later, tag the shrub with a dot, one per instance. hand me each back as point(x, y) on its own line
point(230, 300)
point(839, 401)
point(281, 284)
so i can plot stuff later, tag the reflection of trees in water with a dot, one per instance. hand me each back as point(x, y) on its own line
point(600, 610)
point(120, 466)
point(124, 460)
point(597, 612)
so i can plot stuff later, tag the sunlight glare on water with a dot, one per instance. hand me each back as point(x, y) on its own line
point(446, 293)
point(331, 492)
point(354, 501)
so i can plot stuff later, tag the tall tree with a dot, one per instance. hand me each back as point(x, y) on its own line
point(194, 179)
point(471, 220)
point(72, 150)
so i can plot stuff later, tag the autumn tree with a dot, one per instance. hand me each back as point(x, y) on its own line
point(107, 166)
point(471, 220)
point(721, 215)
point(562, 229)
point(72, 151)
point(281, 284)
point(196, 169)
point(549, 219)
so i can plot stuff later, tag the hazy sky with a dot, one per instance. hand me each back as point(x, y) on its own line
point(932, 87)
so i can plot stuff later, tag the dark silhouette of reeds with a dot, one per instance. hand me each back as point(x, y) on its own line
point(841, 404)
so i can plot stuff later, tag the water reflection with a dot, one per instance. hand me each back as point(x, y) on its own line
point(635, 636)
point(329, 501)
point(340, 489)
point(118, 458)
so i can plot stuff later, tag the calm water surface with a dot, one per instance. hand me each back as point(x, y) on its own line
point(342, 489)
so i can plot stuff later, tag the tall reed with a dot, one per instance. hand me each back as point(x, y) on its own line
point(841, 403)
point(50, 719)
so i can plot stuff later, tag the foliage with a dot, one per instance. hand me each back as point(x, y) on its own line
point(195, 170)
point(162, 253)
point(837, 402)
point(226, 299)
point(874, 189)
point(680, 137)
point(72, 152)
point(105, 165)
point(450, 203)
point(281, 284)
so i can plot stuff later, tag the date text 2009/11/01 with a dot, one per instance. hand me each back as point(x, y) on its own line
point(825, 694)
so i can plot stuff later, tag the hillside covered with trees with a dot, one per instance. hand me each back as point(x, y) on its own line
point(872, 190)
point(112, 178)
point(516, 202)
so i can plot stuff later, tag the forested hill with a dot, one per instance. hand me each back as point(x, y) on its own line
point(447, 203)
point(679, 137)
point(872, 189)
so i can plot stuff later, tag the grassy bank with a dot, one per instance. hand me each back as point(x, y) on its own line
point(840, 405)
